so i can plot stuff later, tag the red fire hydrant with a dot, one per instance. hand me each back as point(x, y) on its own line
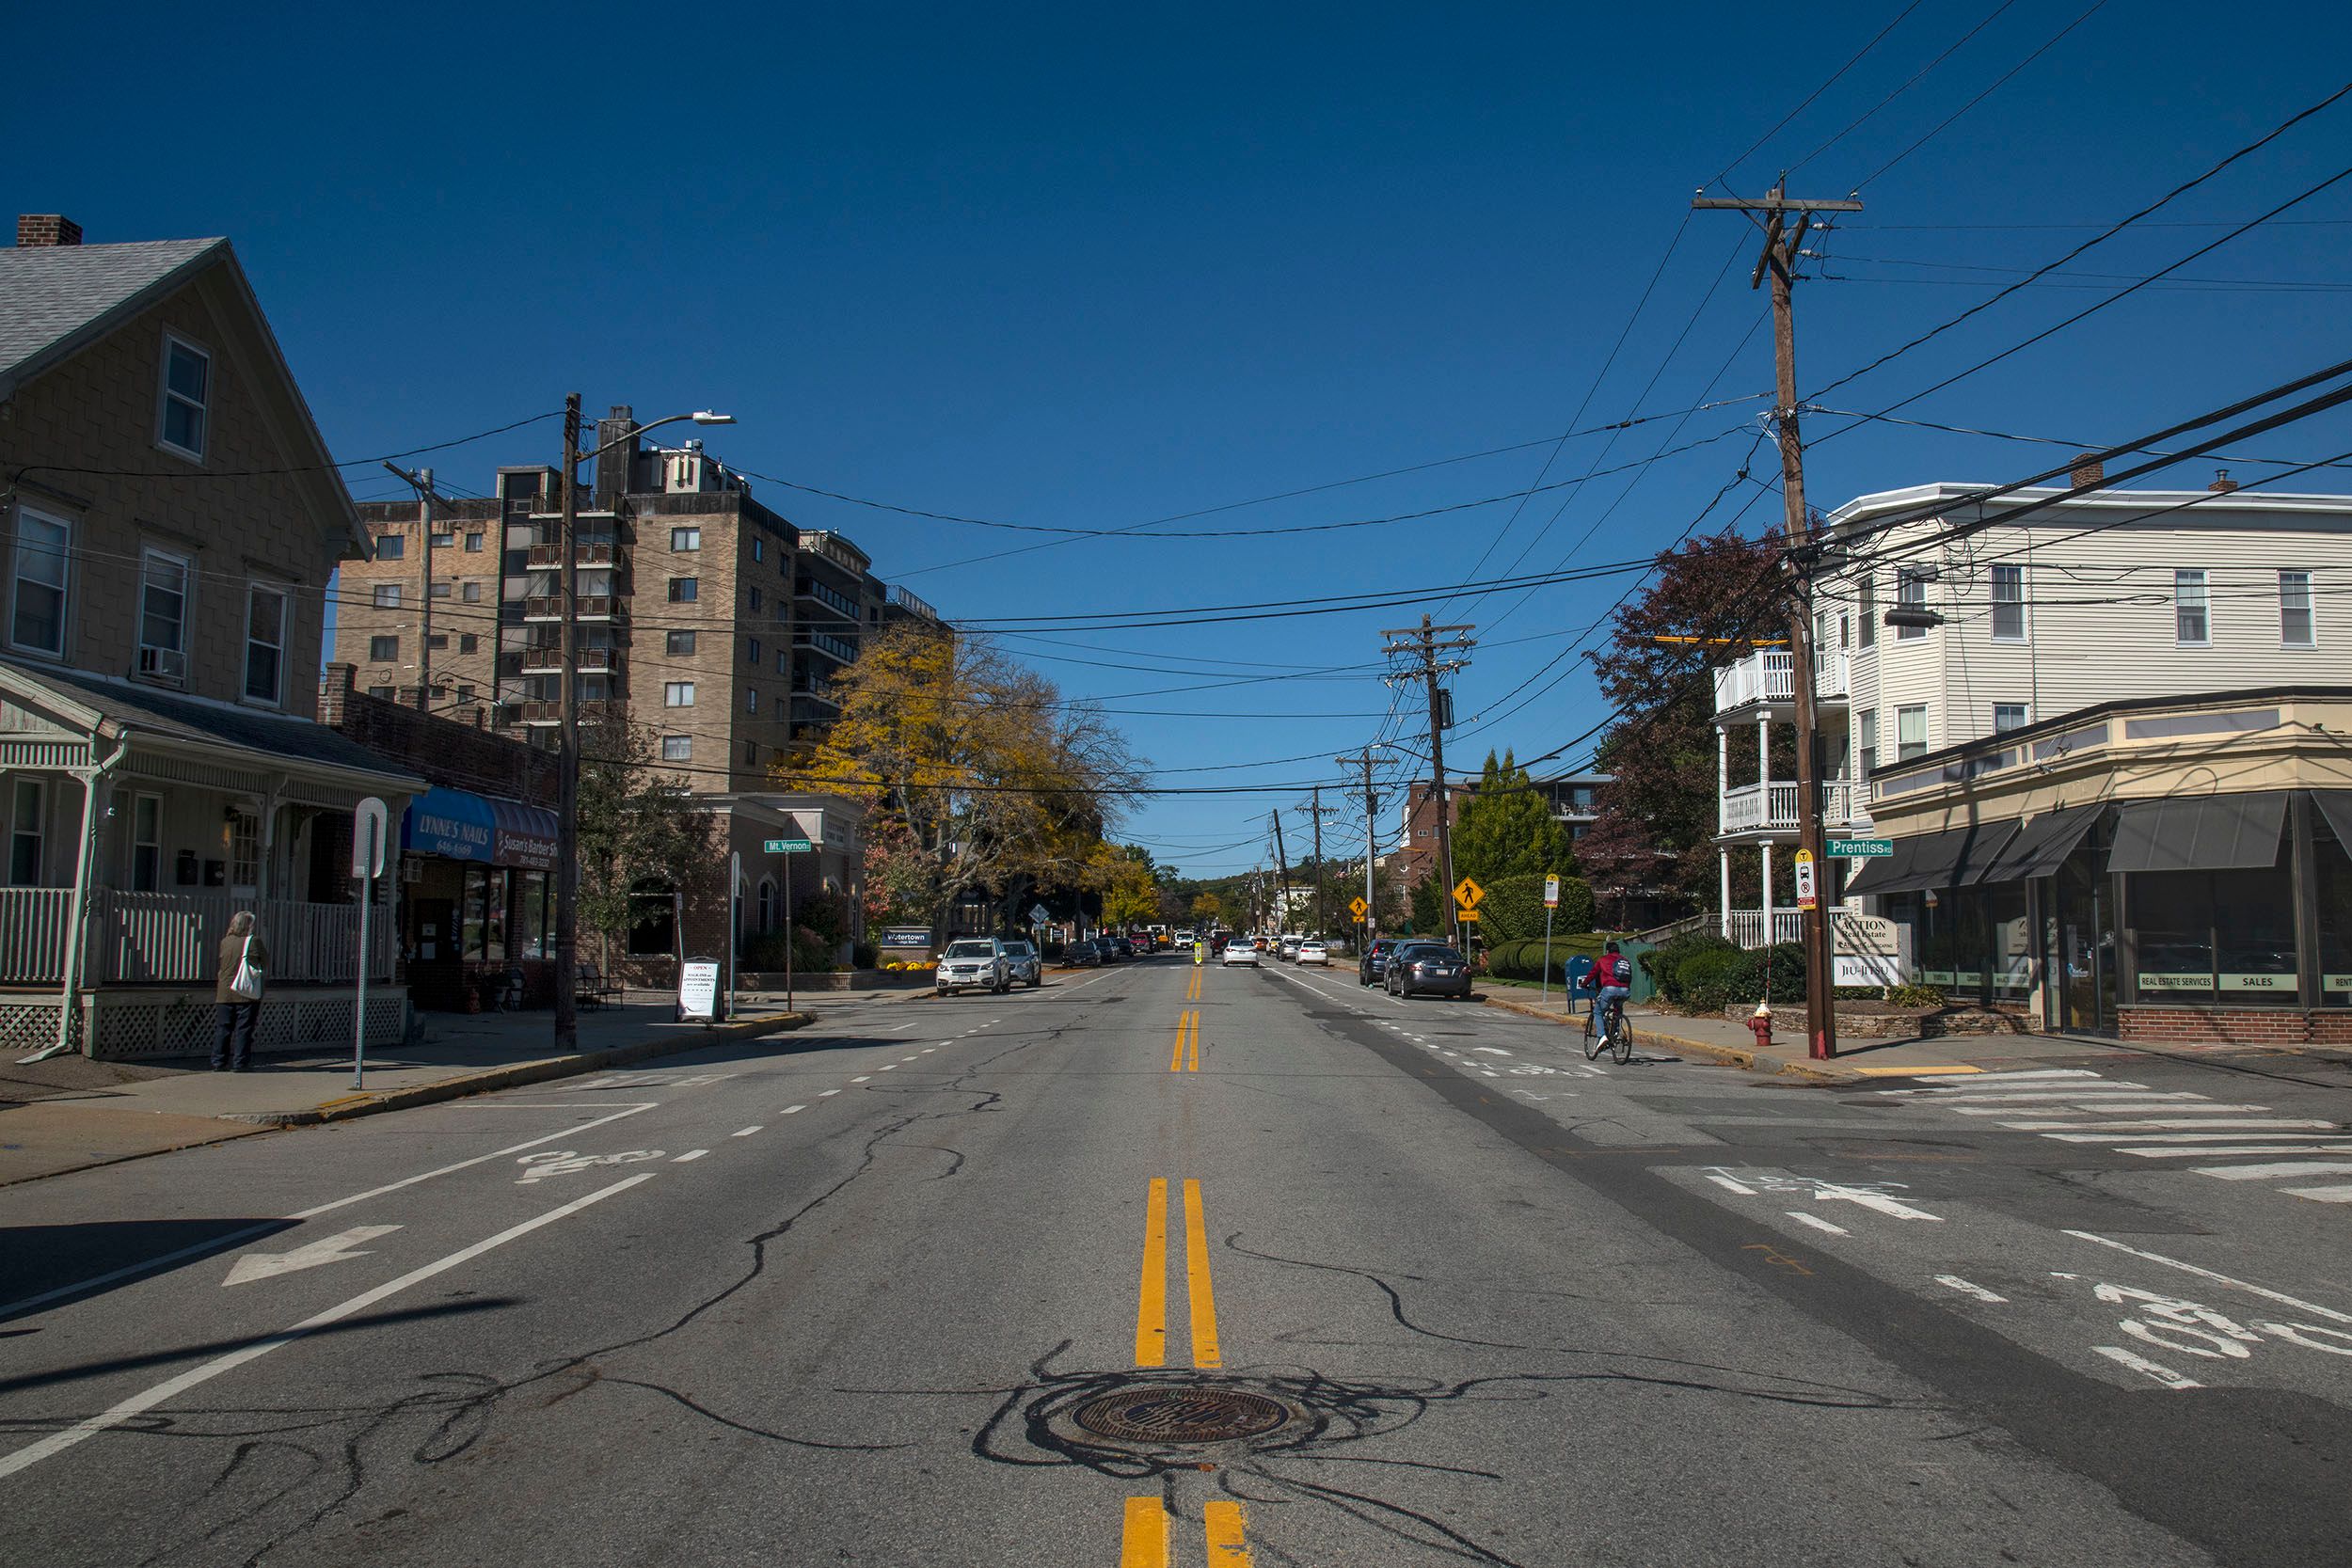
point(1761, 1024)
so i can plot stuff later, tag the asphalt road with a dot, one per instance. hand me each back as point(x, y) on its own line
point(845, 1299)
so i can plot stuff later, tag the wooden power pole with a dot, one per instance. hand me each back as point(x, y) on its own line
point(1785, 221)
point(1425, 651)
point(1364, 760)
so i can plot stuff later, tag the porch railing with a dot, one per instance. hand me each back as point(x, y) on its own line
point(1754, 807)
point(175, 938)
point(1746, 926)
point(1768, 676)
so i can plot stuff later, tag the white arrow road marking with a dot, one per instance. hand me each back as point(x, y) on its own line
point(1818, 1223)
point(1968, 1287)
point(2267, 1294)
point(139, 1403)
point(2157, 1369)
point(333, 1249)
point(1879, 1202)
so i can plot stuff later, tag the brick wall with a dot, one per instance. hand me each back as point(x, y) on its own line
point(359, 621)
point(453, 754)
point(2237, 1025)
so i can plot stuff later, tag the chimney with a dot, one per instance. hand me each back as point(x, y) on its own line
point(2088, 473)
point(2222, 483)
point(46, 229)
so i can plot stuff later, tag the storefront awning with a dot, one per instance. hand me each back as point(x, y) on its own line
point(2336, 806)
point(458, 826)
point(2208, 832)
point(2042, 846)
point(1953, 858)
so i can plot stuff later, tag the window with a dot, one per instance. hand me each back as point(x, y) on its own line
point(678, 642)
point(465, 693)
point(2294, 610)
point(756, 601)
point(383, 693)
point(686, 539)
point(383, 650)
point(391, 546)
point(2191, 625)
point(1911, 592)
point(387, 596)
point(44, 547)
point(442, 589)
point(1911, 732)
point(467, 643)
point(473, 542)
point(685, 590)
point(1869, 742)
point(146, 843)
point(162, 616)
point(472, 592)
point(751, 700)
point(759, 549)
point(186, 393)
point(783, 661)
point(438, 639)
point(750, 753)
point(2008, 717)
point(245, 849)
point(265, 645)
point(28, 813)
point(2008, 604)
point(752, 655)
point(677, 694)
point(678, 748)
point(1869, 630)
point(443, 541)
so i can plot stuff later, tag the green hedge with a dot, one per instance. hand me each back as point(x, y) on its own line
point(1513, 910)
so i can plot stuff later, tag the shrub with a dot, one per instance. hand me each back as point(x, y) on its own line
point(1719, 977)
point(1914, 996)
point(1666, 965)
point(862, 955)
point(1513, 910)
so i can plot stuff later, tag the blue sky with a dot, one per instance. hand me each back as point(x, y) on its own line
point(1057, 266)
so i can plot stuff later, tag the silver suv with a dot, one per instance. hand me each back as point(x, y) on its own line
point(974, 963)
point(1026, 965)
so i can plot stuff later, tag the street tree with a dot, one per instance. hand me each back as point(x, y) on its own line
point(1207, 908)
point(1506, 829)
point(996, 779)
point(645, 845)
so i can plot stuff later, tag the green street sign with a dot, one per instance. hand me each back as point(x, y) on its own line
point(788, 846)
point(1862, 849)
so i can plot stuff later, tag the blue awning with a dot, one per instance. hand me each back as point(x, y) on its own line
point(458, 826)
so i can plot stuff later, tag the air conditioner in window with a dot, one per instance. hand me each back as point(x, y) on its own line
point(163, 663)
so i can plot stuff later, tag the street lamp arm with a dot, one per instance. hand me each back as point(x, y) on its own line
point(701, 416)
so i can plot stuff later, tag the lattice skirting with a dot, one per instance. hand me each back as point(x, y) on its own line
point(131, 1025)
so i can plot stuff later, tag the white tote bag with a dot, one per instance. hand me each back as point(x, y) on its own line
point(247, 982)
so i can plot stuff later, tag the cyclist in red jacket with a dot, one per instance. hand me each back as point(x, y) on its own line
point(1612, 982)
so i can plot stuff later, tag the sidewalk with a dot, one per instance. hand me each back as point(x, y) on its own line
point(70, 1113)
point(1857, 1061)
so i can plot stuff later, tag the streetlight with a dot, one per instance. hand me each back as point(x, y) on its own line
point(567, 733)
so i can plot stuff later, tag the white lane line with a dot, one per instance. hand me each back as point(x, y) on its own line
point(572, 1132)
point(744, 1133)
point(2210, 1151)
point(892, 1067)
point(689, 1154)
point(1968, 1287)
point(2085, 1093)
point(57, 1443)
point(2156, 1105)
point(827, 1094)
point(2164, 1124)
point(2157, 1369)
point(1818, 1223)
point(792, 1110)
point(2217, 1279)
point(1728, 1185)
point(2321, 1195)
point(2005, 1077)
point(1491, 1050)
point(897, 1028)
point(2289, 1167)
point(2233, 1134)
point(1879, 1202)
point(862, 1078)
point(906, 1059)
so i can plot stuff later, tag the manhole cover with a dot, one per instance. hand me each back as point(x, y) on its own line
point(1180, 1414)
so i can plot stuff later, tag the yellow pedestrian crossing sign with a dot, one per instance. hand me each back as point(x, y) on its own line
point(1356, 907)
point(1467, 893)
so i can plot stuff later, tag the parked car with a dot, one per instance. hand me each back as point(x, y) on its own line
point(1374, 963)
point(1240, 952)
point(1083, 954)
point(1023, 959)
point(1312, 951)
point(1427, 968)
point(1287, 949)
point(974, 963)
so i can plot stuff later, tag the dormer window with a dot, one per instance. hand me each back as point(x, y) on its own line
point(187, 396)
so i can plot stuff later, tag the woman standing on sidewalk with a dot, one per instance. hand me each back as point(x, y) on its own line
point(237, 994)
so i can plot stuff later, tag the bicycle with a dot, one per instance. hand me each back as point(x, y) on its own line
point(1619, 1034)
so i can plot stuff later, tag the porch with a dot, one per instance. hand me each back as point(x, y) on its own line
point(1773, 807)
point(1767, 675)
point(175, 938)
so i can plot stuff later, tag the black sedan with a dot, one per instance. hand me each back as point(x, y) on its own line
point(1427, 968)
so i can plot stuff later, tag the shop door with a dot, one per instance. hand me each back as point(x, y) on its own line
point(2084, 956)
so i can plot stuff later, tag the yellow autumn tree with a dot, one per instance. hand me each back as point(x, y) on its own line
point(995, 777)
point(1131, 895)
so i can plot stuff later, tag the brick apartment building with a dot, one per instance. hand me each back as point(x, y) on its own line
point(1570, 796)
point(704, 617)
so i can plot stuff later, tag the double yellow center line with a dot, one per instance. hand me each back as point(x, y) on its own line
point(1186, 1057)
point(1151, 1300)
point(1149, 1534)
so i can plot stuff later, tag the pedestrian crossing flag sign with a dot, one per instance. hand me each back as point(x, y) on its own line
point(1467, 893)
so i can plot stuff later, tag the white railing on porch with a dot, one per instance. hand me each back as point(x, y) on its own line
point(32, 932)
point(1766, 676)
point(1746, 926)
point(174, 938)
point(1752, 808)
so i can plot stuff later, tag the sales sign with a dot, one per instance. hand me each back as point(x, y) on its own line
point(698, 991)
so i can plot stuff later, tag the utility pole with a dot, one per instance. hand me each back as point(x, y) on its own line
point(567, 750)
point(1282, 882)
point(1782, 242)
point(1422, 647)
point(1364, 759)
point(1315, 811)
point(426, 496)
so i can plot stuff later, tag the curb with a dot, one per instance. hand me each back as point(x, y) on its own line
point(1739, 1057)
point(516, 1074)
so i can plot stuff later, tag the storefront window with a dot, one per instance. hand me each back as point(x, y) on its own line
point(470, 908)
point(2331, 867)
point(2010, 942)
point(2223, 937)
point(532, 911)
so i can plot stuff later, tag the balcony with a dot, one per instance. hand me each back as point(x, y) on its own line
point(597, 554)
point(588, 662)
point(1764, 676)
point(541, 714)
point(1767, 808)
point(813, 591)
point(546, 608)
point(837, 648)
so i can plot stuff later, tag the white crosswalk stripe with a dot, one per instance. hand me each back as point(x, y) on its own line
point(2128, 1118)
